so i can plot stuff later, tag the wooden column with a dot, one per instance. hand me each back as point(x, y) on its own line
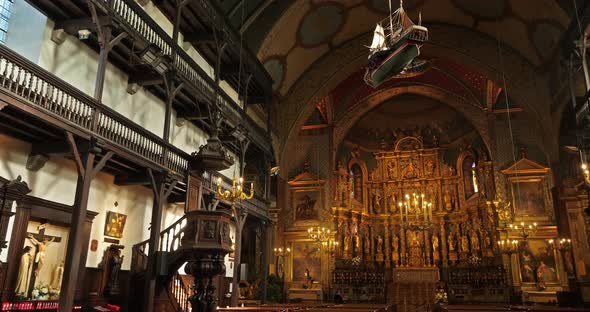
point(87, 170)
point(240, 215)
point(265, 259)
point(161, 189)
point(15, 250)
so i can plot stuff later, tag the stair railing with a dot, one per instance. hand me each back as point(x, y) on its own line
point(180, 292)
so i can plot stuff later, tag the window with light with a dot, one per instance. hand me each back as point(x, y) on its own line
point(5, 12)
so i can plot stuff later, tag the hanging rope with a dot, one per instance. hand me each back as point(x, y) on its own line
point(506, 98)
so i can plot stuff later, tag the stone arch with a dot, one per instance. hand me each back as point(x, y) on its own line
point(476, 116)
point(455, 43)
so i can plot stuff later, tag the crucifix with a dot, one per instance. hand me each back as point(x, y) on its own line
point(41, 241)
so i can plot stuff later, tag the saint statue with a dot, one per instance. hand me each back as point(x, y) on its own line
point(377, 201)
point(415, 250)
point(451, 240)
point(435, 252)
point(41, 246)
point(57, 276)
point(447, 199)
point(464, 244)
point(24, 273)
point(395, 255)
point(346, 244)
point(379, 244)
point(474, 241)
point(410, 171)
point(367, 244)
point(391, 169)
point(357, 244)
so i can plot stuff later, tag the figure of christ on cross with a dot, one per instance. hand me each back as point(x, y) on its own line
point(40, 241)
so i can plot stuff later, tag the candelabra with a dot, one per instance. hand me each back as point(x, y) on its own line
point(330, 246)
point(524, 230)
point(415, 212)
point(318, 234)
point(236, 193)
point(508, 247)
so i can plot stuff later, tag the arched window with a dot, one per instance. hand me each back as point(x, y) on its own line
point(357, 180)
point(469, 176)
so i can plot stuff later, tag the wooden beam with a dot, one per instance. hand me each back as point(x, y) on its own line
point(509, 110)
point(202, 38)
point(136, 179)
point(145, 79)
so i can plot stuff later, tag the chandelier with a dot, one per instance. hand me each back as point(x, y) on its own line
point(524, 230)
point(563, 244)
point(319, 235)
point(236, 193)
point(415, 212)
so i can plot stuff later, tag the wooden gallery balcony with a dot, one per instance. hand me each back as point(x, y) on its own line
point(38, 107)
point(137, 36)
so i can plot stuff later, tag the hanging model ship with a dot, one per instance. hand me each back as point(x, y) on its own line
point(396, 43)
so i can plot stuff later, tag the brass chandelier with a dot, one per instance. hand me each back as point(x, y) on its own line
point(415, 212)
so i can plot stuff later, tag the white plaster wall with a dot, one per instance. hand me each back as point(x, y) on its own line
point(56, 181)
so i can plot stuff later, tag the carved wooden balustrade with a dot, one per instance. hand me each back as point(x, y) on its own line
point(42, 93)
point(138, 23)
point(170, 241)
point(180, 292)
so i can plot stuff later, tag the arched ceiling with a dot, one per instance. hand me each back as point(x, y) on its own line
point(409, 113)
point(300, 34)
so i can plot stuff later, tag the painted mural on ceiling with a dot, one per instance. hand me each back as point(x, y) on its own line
point(308, 29)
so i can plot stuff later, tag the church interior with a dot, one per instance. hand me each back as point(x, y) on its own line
point(282, 155)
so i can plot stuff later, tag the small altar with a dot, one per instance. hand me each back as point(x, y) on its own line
point(416, 275)
point(305, 294)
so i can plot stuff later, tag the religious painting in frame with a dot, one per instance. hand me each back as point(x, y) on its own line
point(528, 184)
point(306, 255)
point(537, 262)
point(114, 224)
point(306, 197)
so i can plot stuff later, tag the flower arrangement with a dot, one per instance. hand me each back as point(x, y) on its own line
point(474, 261)
point(44, 292)
point(356, 261)
point(440, 296)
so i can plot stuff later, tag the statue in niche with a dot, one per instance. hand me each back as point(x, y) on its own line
point(24, 273)
point(342, 187)
point(379, 244)
point(57, 276)
point(357, 244)
point(464, 244)
point(474, 241)
point(346, 242)
point(449, 199)
point(435, 252)
point(451, 241)
point(392, 202)
point(391, 169)
point(430, 166)
point(415, 250)
point(395, 254)
point(41, 247)
point(367, 244)
point(410, 170)
point(487, 244)
point(377, 201)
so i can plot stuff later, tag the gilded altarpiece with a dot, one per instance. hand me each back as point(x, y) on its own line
point(538, 267)
point(372, 231)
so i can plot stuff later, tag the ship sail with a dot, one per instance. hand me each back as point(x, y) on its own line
point(378, 38)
